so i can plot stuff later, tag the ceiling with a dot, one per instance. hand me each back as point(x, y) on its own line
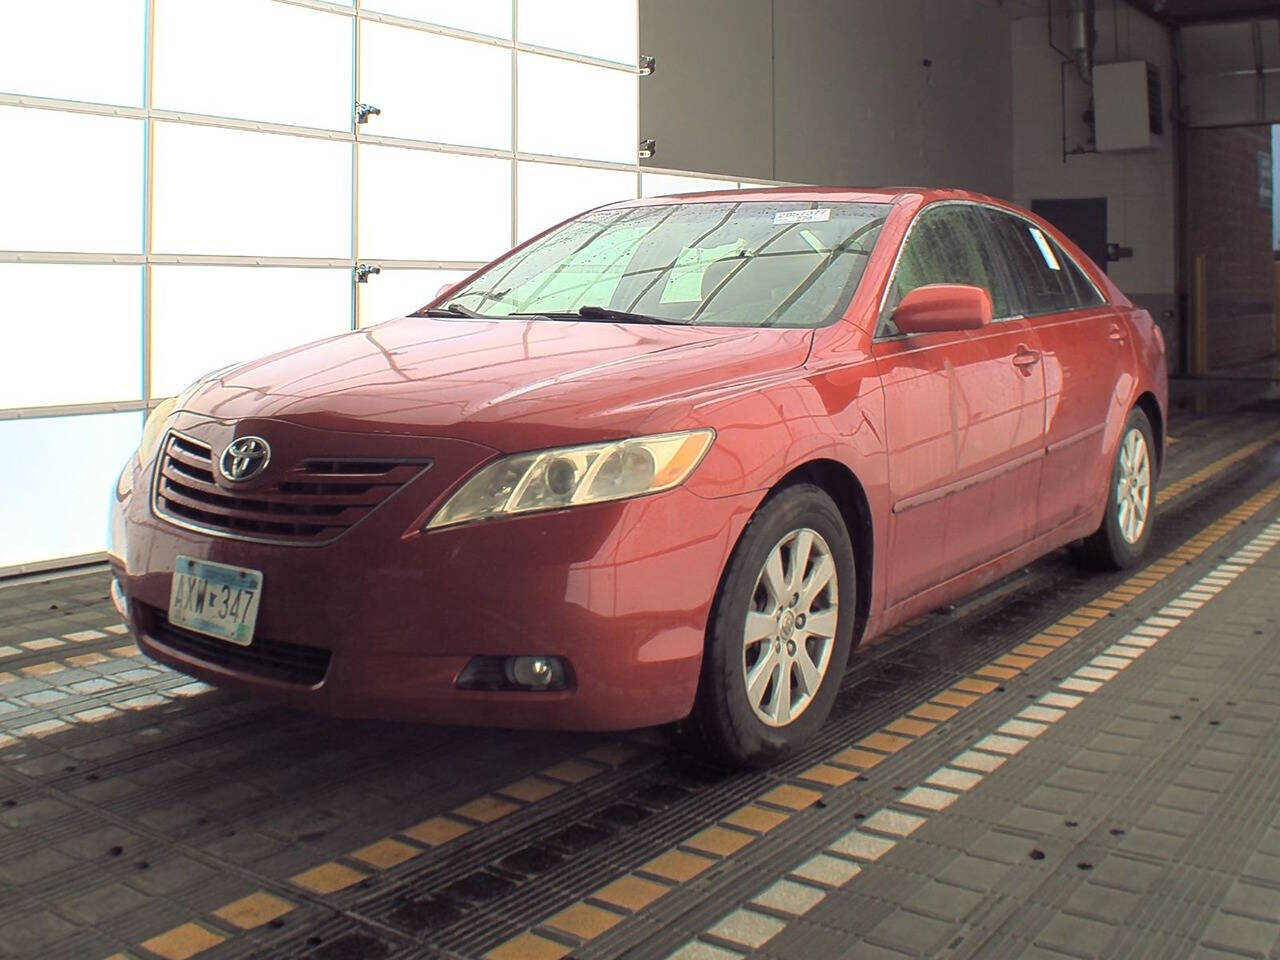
point(1175, 13)
point(1181, 13)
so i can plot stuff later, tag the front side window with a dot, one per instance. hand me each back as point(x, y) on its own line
point(946, 244)
point(743, 263)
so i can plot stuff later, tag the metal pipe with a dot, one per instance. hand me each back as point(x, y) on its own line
point(1082, 20)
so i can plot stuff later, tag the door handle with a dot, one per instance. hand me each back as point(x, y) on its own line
point(1116, 334)
point(1024, 359)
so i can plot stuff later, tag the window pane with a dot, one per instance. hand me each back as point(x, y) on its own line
point(395, 293)
point(75, 185)
point(424, 205)
point(596, 28)
point(573, 110)
point(947, 245)
point(490, 17)
point(73, 49)
point(292, 65)
point(204, 318)
point(79, 339)
point(398, 64)
point(1040, 285)
point(235, 192)
point(661, 184)
point(1086, 294)
point(55, 504)
point(551, 192)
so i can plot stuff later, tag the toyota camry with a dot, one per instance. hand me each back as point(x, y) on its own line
point(667, 463)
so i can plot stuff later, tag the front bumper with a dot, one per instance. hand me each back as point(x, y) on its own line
point(621, 591)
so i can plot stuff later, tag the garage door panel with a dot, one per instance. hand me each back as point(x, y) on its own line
point(406, 73)
point(54, 503)
point(1218, 47)
point(424, 205)
point(306, 81)
point(551, 192)
point(1214, 100)
point(1270, 37)
point(205, 317)
point(236, 192)
point(569, 109)
point(595, 28)
point(74, 334)
point(661, 184)
point(76, 184)
point(73, 50)
point(489, 17)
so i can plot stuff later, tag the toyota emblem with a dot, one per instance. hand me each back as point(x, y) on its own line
point(244, 458)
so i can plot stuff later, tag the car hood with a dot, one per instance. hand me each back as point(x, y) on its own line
point(509, 384)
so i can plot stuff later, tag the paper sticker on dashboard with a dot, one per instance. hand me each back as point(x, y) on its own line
point(802, 216)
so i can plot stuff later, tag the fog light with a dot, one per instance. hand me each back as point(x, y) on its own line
point(528, 673)
point(119, 600)
point(532, 671)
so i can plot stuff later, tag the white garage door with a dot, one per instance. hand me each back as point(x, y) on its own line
point(1231, 73)
point(186, 186)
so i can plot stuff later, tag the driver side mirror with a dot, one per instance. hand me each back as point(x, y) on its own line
point(940, 307)
point(447, 289)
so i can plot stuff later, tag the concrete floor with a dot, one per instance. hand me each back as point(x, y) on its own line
point(1068, 765)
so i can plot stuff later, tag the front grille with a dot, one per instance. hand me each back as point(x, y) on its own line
point(268, 659)
point(313, 502)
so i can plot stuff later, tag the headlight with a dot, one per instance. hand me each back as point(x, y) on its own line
point(572, 476)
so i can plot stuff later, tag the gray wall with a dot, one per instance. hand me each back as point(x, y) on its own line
point(831, 91)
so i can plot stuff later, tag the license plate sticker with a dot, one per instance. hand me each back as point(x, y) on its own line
point(215, 599)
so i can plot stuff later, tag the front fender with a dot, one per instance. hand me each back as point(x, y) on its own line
point(835, 413)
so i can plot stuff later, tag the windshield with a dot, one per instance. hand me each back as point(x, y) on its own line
point(736, 263)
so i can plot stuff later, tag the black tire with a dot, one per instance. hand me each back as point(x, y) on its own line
point(1108, 548)
point(724, 727)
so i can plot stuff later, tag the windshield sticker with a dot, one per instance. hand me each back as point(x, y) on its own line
point(802, 216)
point(1046, 251)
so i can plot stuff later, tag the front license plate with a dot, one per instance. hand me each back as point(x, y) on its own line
point(215, 599)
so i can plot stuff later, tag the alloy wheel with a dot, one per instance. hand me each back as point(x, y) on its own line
point(791, 627)
point(1133, 487)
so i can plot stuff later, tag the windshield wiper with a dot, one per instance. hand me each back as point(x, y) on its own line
point(591, 312)
point(454, 310)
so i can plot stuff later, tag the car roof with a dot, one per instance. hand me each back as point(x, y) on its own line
point(918, 195)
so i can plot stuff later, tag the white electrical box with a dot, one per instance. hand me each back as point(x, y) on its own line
point(1128, 109)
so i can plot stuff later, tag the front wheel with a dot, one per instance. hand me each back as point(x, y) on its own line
point(1125, 533)
point(779, 635)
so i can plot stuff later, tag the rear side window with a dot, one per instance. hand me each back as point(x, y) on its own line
point(1040, 273)
point(947, 244)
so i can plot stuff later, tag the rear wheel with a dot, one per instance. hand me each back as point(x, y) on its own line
point(1122, 539)
point(779, 635)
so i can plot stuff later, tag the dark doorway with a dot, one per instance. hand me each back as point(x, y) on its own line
point(1084, 221)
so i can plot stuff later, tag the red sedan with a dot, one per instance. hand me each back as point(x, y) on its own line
point(669, 461)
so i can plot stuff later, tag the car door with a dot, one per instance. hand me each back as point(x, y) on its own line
point(964, 413)
point(1085, 357)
